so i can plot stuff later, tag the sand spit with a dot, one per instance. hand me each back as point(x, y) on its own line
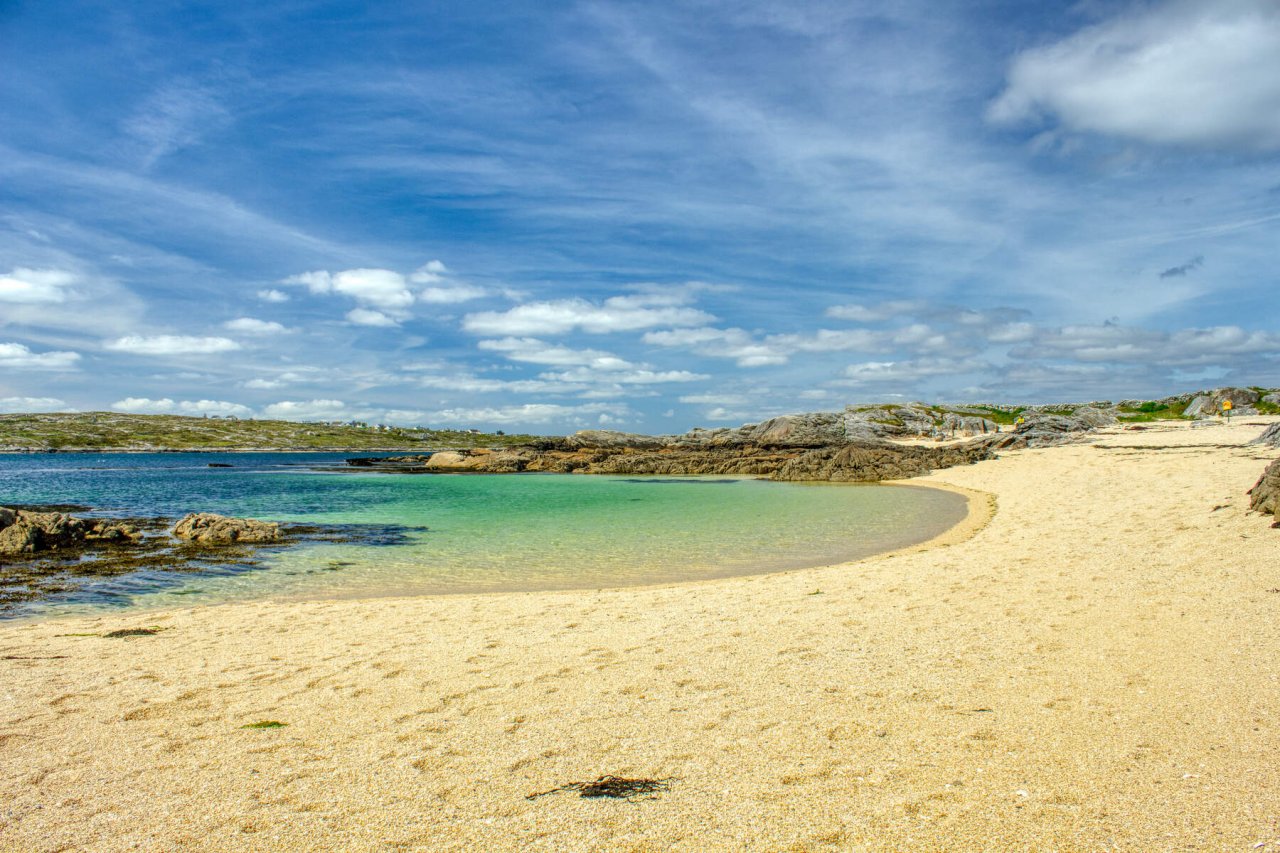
point(1095, 668)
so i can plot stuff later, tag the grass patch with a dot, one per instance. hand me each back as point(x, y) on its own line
point(265, 724)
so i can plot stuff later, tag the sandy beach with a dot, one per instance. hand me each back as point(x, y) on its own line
point(1089, 663)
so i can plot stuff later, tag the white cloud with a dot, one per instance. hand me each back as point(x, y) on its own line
point(369, 317)
point(720, 343)
point(20, 357)
point(532, 413)
point(1109, 343)
point(35, 286)
point(33, 404)
point(1180, 73)
point(629, 377)
point(252, 326)
point(539, 352)
point(451, 294)
point(144, 406)
point(270, 294)
point(441, 290)
point(308, 410)
point(617, 314)
point(384, 290)
point(877, 313)
point(907, 371)
point(171, 345)
point(166, 406)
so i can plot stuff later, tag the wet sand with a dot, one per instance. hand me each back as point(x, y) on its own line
point(1092, 666)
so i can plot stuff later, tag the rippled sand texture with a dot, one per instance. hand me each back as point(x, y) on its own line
point(1096, 668)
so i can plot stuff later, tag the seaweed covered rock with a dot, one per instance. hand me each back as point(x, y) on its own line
point(207, 528)
point(23, 532)
point(1265, 494)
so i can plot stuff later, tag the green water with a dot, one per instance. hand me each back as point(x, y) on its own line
point(499, 533)
point(483, 533)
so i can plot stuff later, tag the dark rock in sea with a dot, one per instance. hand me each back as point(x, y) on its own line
point(220, 465)
point(1270, 436)
point(1265, 494)
point(207, 528)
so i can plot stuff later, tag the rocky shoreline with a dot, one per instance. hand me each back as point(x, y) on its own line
point(47, 551)
point(857, 445)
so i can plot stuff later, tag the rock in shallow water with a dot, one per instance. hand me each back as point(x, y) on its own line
point(207, 528)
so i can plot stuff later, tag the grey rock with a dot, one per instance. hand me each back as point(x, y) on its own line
point(1210, 403)
point(1270, 436)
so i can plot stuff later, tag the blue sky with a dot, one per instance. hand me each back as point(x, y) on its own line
point(639, 215)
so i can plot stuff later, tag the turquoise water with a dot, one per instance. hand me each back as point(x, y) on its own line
point(482, 532)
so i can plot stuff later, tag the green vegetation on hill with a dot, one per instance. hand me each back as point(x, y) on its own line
point(1152, 410)
point(115, 431)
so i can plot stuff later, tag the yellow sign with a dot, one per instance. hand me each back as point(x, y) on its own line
point(1227, 405)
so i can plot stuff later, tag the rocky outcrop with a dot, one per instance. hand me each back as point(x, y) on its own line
point(1210, 403)
point(1270, 436)
point(23, 532)
point(207, 528)
point(1265, 494)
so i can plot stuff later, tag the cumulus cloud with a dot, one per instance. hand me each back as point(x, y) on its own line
point(171, 345)
point(441, 289)
point(20, 357)
point(877, 313)
point(628, 377)
point(33, 404)
point(308, 410)
point(369, 317)
point(534, 413)
point(617, 314)
point(386, 291)
point(1183, 73)
point(539, 352)
point(270, 294)
point(166, 406)
point(31, 287)
point(252, 326)
point(1113, 343)
point(872, 372)
point(736, 344)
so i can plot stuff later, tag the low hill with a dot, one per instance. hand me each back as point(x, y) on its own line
point(114, 431)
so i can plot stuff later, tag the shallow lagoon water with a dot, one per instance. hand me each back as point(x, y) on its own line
point(483, 533)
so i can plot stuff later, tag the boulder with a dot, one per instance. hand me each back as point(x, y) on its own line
point(116, 532)
point(1265, 494)
point(23, 532)
point(207, 528)
point(1270, 436)
point(1210, 403)
point(967, 425)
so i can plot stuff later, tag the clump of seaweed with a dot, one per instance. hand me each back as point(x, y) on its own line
point(612, 787)
point(133, 632)
point(265, 724)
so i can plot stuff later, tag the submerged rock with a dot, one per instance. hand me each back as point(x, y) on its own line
point(207, 528)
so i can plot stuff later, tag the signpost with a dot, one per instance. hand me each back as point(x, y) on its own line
point(1227, 406)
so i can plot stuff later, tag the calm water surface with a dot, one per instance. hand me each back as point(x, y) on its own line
point(483, 532)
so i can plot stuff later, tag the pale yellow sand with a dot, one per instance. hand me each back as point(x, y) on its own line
point(1094, 669)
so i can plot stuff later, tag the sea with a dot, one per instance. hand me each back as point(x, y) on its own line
point(465, 533)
